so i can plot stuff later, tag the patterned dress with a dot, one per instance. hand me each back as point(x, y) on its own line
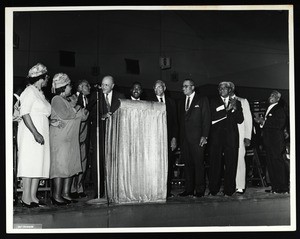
point(64, 141)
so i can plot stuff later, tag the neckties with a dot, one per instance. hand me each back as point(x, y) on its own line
point(225, 103)
point(187, 104)
point(107, 102)
point(160, 99)
point(85, 102)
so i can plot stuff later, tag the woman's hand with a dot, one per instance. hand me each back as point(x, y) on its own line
point(73, 100)
point(39, 138)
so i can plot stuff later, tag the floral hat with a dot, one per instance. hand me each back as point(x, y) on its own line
point(60, 80)
point(37, 70)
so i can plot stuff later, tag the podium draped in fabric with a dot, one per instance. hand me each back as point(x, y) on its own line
point(136, 153)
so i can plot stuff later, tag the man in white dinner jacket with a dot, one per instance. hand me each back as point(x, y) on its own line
point(245, 131)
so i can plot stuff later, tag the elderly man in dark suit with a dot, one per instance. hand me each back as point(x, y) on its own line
point(226, 114)
point(172, 126)
point(195, 122)
point(108, 103)
point(273, 125)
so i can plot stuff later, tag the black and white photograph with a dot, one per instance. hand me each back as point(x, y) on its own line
point(150, 119)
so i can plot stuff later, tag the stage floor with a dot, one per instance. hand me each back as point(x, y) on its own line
point(254, 208)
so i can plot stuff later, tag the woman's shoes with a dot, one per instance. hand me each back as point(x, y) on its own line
point(39, 204)
point(68, 201)
point(57, 203)
point(31, 205)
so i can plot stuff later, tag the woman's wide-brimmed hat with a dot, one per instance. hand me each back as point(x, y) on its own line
point(37, 70)
point(60, 80)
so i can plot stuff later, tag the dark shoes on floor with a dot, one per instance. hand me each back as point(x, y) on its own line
point(78, 195)
point(185, 194)
point(277, 191)
point(199, 194)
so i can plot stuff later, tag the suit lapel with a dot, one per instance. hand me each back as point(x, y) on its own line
point(192, 105)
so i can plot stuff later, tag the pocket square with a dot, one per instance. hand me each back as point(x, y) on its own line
point(197, 106)
point(269, 114)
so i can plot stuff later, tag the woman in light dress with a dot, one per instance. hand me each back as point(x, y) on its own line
point(64, 139)
point(33, 136)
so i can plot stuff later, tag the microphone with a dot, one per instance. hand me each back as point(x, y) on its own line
point(97, 86)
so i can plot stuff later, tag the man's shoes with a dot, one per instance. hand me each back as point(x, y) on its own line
point(240, 191)
point(199, 194)
point(269, 191)
point(185, 193)
point(281, 192)
point(74, 195)
point(82, 195)
point(170, 195)
point(212, 194)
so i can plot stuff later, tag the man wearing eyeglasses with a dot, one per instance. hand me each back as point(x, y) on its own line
point(195, 122)
point(172, 126)
point(226, 114)
point(108, 104)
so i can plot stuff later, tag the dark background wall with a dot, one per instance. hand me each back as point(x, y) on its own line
point(249, 48)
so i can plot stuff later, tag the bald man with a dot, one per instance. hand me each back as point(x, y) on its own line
point(108, 104)
point(273, 125)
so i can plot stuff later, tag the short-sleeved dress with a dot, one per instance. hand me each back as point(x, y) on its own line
point(34, 158)
point(64, 142)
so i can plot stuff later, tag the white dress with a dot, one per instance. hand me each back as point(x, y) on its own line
point(34, 158)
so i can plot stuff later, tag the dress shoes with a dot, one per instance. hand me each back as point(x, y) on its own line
point(212, 194)
point(269, 191)
point(82, 195)
point(170, 195)
point(185, 193)
point(240, 191)
point(57, 203)
point(74, 195)
point(39, 204)
point(27, 205)
point(281, 191)
point(68, 201)
point(199, 194)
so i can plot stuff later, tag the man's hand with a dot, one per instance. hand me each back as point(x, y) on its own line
point(260, 120)
point(247, 142)
point(203, 141)
point(173, 144)
point(105, 116)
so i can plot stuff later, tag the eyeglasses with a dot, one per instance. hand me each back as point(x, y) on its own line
point(186, 86)
point(158, 87)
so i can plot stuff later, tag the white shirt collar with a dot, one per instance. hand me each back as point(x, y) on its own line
point(134, 98)
point(163, 98)
point(16, 95)
point(269, 109)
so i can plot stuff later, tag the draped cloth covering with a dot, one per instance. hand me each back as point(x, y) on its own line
point(136, 153)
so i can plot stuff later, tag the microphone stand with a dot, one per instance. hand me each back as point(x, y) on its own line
point(98, 200)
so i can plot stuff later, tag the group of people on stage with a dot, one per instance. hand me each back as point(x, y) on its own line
point(54, 140)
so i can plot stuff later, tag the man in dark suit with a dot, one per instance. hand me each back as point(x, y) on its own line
point(108, 104)
point(172, 126)
point(194, 129)
point(136, 91)
point(273, 125)
point(226, 114)
point(77, 188)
